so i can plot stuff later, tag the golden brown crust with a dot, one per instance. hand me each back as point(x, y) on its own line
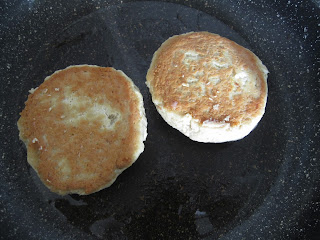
point(80, 126)
point(196, 73)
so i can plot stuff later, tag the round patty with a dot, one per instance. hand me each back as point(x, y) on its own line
point(208, 87)
point(82, 127)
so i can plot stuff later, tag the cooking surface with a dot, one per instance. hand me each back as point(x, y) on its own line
point(265, 185)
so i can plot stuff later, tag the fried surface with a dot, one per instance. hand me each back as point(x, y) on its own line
point(82, 127)
point(209, 77)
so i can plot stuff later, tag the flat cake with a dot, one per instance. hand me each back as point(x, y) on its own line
point(208, 87)
point(82, 127)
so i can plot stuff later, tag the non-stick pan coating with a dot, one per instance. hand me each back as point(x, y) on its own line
point(265, 186)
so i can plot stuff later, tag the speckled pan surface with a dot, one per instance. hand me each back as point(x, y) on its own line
point(265, 186)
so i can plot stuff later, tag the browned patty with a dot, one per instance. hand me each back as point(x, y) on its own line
point(195, 73)
point(82, 127)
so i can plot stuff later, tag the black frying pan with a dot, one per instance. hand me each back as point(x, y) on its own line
point(265, 186)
